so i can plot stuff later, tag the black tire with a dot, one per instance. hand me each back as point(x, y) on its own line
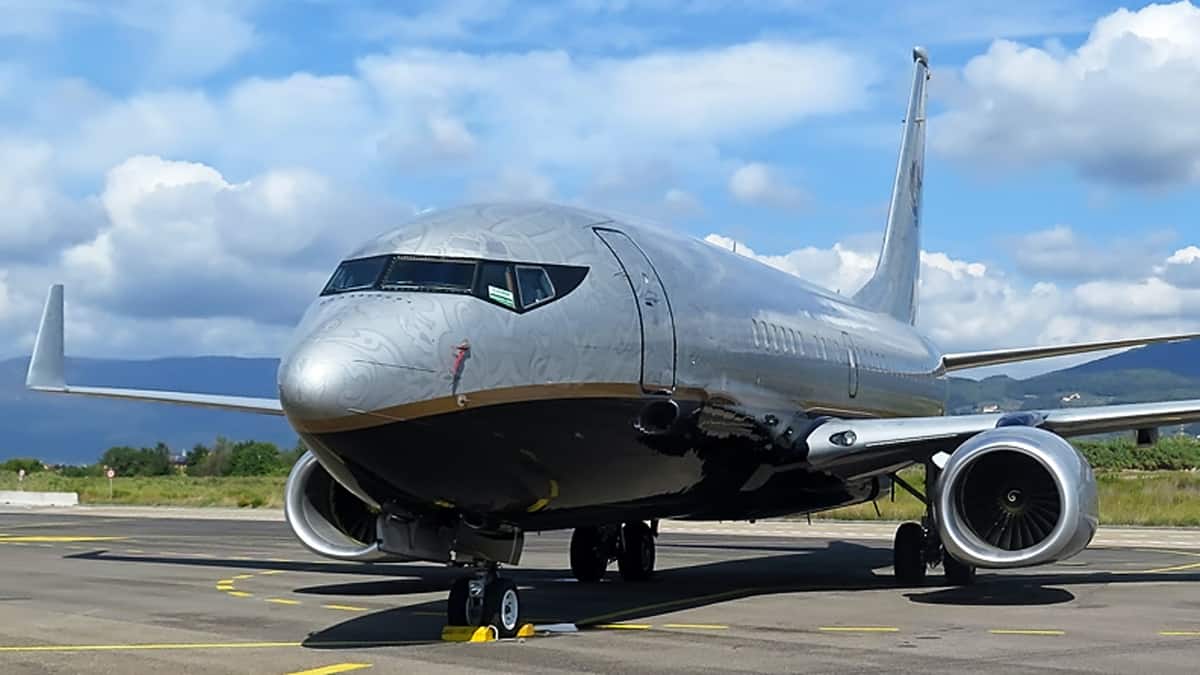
point(502, 607)
point(461, 609)
point(589, 554)
point(957, 573)
point(908, 554)
point(636, 560)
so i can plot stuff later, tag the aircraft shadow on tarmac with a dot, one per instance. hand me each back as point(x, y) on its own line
point(552, 596)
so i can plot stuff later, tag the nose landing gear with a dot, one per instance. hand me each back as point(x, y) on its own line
point(486, 599)
point(631, 545)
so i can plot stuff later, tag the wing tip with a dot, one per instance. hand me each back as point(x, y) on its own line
point(46, 370)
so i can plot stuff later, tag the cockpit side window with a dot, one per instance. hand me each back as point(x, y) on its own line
point(356, 275)
point(534, 284)
point(497, 283)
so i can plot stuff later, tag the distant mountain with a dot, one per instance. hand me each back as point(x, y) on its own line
point(1180, 358)
point(1154, 373)
point(77, 430)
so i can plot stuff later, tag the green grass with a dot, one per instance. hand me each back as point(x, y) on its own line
point(1170, 498)
point(248, 491)
point(1165, 498)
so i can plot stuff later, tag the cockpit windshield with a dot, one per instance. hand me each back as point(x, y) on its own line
point(450, 276)
point(517, 286)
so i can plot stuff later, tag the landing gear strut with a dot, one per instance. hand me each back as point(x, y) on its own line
point(485, 599)
point(917, 546)
point(631, 545)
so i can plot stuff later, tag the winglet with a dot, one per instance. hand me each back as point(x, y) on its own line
point(46, 366)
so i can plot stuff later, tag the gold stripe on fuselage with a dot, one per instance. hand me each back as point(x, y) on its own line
point(364, 419)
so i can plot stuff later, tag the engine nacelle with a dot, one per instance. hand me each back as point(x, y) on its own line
point(1015, 496)
point(327, 518)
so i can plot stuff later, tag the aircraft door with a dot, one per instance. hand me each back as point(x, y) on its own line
point(852, 357)
point(654, 311)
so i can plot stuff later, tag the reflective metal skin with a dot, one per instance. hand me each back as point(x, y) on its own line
point(1027, 526)
point(666, 378)
point(541, 413)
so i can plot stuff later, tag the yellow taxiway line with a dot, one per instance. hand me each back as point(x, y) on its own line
point(147, 646)
point(332, 670)
point(52, 539)
point(1027, 631)
point(859, 629)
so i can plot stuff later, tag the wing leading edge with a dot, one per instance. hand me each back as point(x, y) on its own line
point(46, 373)
point(840, 441)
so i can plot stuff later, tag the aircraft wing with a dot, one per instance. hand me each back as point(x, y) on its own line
point(46, 372)
point(850, 441)
point(964, 360)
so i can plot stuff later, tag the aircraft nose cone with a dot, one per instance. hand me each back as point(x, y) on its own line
point(321, 381)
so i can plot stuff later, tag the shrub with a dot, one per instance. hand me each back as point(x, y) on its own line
point(1173, 453)
point(255, 458)
point(15, 464)
point(127, 461)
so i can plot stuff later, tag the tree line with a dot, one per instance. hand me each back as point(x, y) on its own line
point(260, 458)
point(222, 458)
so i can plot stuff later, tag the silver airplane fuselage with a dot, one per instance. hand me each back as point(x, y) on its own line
point(568, 411)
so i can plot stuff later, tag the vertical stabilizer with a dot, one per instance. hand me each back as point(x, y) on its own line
point(46, 365)
point(892, 289)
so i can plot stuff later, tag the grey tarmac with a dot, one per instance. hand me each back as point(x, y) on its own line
point(99, 591)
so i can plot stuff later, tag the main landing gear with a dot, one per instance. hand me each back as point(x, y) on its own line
point(631, 545)
point(917, 546)
point(486, 599)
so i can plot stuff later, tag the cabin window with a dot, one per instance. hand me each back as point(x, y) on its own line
point(535, 286)
point(754, 332)
point(356, 275)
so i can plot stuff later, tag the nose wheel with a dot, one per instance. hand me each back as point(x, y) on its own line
point(485, 599)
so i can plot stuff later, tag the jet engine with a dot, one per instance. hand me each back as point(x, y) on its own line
point(326, 517)
point(1015, 496)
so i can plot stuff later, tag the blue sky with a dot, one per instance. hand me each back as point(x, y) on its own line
point(251, 144)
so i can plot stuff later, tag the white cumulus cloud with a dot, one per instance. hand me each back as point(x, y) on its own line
point(968, 305)
point(756, 183)
point(1120, 108)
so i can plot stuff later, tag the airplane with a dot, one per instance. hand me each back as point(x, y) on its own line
point(489, 370)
